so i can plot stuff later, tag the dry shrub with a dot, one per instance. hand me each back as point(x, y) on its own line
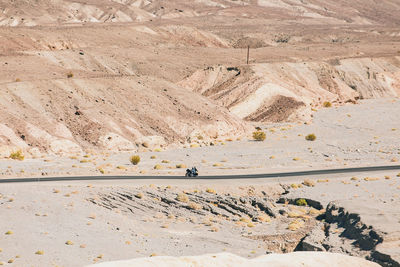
point(180, 166)
point(182, 197)
point(322, 180)
point(69, 243)
point(295, 225)
point(39, 252)
point(354, 178)
point(194, 145)
point(165, 161)
point(308, 182)
point(327, 104)
point(294, 186)
point(70, 75)
point(195, 206)
point(153, 157)
point(311, 137)
point(250, 224)
point(139, 195)
point(264, 218)
point(245, 219)
point(210, 190)
point(217, 164)
point(296, 159)
point(158, 167)
point(134, 159)
point(17, 155)
point(259, 136)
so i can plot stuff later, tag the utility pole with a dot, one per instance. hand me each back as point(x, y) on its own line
point(248, 54)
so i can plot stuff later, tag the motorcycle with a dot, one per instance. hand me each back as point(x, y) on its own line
point(192, 172)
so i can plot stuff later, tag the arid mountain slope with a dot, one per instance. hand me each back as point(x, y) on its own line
point(115, 74)
point(46, 12)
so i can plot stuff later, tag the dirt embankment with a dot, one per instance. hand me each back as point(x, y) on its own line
point(287, 91)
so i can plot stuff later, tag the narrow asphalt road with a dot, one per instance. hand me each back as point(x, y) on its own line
point(211, 177)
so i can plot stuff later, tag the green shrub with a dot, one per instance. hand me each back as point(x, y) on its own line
point(259, 136)
point(301, 202)
point(135, 160)
point(311, 137)
point(17, 155)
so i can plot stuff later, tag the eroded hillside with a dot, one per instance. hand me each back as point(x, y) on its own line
point(114, 75)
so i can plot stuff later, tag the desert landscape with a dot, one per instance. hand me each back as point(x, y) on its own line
point(144, 89)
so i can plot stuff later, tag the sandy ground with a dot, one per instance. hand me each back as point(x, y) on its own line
point(365, 134)
point(44, 216)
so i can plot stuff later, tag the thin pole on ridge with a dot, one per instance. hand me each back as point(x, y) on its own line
point(248, 54)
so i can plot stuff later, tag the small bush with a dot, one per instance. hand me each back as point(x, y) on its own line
point(39, 252)
point(264, 218)
point(210, 190)
point(9, 232)
point(153, 157)
point(158, 167)
point(295, 225)
point(327, 104)
point(70, 75)
point(165, 161)
point(17, 155)
point(311, 137)
point(195, 206)
point(308, 182)
point(245, 219)
point(180, 166)
point(139, 195)
point(301, 202)
point(259, 136)
point(134, 159)
point(69, 243)
point(250, 224)
point(182, 198)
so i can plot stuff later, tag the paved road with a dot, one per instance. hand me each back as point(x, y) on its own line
point(212, 177)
